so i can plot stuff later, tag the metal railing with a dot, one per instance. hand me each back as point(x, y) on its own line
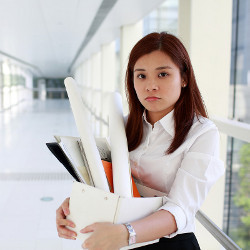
point(217, 233)
point(94, 114)
point(9, 92)
point(233, 128)
point(50, 91)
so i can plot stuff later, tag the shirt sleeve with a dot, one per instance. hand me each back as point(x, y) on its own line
point(199, 170)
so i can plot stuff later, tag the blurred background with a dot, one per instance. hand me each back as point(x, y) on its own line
point(44, 41)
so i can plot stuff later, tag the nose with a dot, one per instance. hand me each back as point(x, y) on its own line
point(152, 85)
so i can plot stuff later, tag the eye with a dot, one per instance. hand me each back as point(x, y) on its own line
point(141, 76)
point(163, 74)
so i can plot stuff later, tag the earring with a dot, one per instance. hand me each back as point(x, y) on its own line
point(183, 84)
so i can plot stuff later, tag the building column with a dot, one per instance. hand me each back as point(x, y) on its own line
point(86, 83)
point(130, 35)
point(205, 29)
point(78, 74)
point(1, 86)
point(96, 70)
point(108, 79)
point(84, 73)
point(96, 90)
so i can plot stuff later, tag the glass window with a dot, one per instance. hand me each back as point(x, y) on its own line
point(164, 18)
point(237, 191)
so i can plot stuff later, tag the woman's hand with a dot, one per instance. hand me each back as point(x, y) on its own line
point(105, 236)
point(61, 221)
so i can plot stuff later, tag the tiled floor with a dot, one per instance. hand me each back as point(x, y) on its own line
point(29, 172)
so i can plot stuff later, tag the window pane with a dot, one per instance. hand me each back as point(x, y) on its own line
point(237, 191)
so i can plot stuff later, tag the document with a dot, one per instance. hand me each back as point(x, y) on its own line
point(70, 146)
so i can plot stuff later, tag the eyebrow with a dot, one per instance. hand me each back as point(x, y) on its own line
point(158, 68)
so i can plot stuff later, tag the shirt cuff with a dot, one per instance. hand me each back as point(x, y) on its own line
point(179, 215)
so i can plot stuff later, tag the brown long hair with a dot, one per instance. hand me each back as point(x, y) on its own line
point(190, 102)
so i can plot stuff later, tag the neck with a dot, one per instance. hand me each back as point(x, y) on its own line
point(153, 117)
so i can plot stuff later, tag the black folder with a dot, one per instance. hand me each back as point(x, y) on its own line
point(60, 155)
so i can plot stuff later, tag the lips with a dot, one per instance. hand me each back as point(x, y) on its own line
point(152, 98)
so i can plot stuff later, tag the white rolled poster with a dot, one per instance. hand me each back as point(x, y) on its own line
point(119, 148)
point(86, 135)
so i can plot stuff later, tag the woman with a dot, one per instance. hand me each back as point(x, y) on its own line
point(173, 148)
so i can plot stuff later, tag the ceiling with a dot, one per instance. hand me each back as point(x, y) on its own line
point(53, 36)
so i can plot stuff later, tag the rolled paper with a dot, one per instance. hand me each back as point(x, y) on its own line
point(86, 135)
point(119, 148)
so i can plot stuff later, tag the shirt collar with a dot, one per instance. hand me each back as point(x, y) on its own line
point(167, 122)
point(145, 118)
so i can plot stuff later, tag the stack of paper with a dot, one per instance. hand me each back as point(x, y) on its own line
point(69, 151)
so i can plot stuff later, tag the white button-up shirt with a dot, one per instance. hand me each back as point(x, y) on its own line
point(185, 175)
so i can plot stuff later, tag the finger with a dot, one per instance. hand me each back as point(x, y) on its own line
point(88, 229)
point(64, 222)
point(66, 237)
point(84, 246)
point(60, 214)
point(65, 206)
point(87, 244)
point(66, 232)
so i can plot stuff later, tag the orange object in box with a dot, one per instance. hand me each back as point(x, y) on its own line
point(108, 171)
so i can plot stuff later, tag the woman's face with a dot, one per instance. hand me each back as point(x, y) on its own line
point(157, 82)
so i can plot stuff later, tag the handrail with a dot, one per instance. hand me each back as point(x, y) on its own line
point(211, 227)
point(50, 89)
point(93, 113)
point(217, 233)
point(22, 62)
point(233, 128)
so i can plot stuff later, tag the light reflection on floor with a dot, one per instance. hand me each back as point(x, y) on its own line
point(29, 172)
